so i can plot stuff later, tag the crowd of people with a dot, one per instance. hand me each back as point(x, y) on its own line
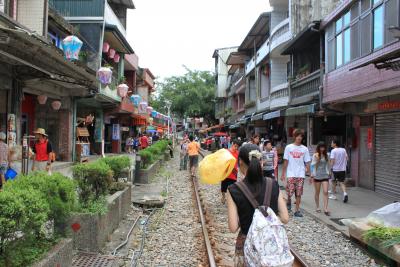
point(257, 160)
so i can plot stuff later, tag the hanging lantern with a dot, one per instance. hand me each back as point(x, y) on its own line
point(111, 53)
point(117, 58)
point(135, 100)
point(106, 47)
point(143, 107)
point(149, 110)
point(42, 99)
point(104, 74)
point(154, 114)
point(56, 104)
point(151, 120)
point(122, 90)
point(71, 46)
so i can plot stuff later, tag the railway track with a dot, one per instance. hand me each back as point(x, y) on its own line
point(212, 261)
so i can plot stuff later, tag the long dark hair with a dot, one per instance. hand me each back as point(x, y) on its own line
point(325, 153)
point(254, 173)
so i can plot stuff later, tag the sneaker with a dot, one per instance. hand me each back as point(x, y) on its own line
point(332, 197)
point(298, 214)
point(345, 198)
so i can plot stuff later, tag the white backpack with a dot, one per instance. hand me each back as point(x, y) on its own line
point(266, 243)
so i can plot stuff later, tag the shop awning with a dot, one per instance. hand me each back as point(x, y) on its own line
point(301, 110)
point(234, 126)
point(272, 115)
point(257, 117)
point(257, 34)
point(245, 119)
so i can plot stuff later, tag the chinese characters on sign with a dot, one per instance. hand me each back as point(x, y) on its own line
point(115, 132)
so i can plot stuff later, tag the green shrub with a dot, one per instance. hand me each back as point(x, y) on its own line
point(118, 164)
point(94, 180)
point(117, 186)
point(59, 192)
point(147, 158)
point(23, 211)
point(94, 206)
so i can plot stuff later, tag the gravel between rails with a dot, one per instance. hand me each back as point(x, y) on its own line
point(174, 234)
point(322, 246)
point(222, 240)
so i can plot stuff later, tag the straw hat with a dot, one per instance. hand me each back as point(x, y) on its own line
point(40, 131)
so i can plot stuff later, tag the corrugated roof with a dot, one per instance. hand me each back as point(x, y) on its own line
point(258, 33)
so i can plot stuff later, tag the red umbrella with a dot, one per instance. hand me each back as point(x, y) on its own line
point(220, 134)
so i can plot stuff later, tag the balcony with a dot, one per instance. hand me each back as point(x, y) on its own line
point(279, 96)
point(112, 19)
point(305, 89)
point(280, 34)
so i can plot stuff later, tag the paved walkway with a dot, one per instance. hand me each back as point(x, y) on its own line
point(361, 203)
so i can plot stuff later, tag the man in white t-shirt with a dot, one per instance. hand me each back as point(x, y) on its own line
point(296, 165)
point(338, 163)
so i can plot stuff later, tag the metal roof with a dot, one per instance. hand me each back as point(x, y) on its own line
point(120, 43)
point(127, 3)
point(258, 33)
point(303, 39)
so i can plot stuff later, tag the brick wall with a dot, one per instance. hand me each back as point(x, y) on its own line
point(31, 13)
point(343, 83)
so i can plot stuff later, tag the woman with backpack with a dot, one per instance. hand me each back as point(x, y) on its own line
point(244, 198)
point(320, 176)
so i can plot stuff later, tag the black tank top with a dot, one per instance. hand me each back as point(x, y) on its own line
point(244, 207)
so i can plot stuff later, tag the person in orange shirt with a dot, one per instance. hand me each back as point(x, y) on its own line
point(193, 152)
point(232, 178)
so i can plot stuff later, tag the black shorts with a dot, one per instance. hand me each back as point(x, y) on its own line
point(226, 183)
point(193, 160)
point(269, 173)
point(321, 180)
point(339, 176)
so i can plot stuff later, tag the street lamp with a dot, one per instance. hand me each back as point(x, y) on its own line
point(168, 104)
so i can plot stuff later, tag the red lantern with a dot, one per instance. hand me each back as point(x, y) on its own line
point(106, 47)
point(56, 105)
point(42, 99)
point(122, 90)
point(111, 53)
point(117, 58)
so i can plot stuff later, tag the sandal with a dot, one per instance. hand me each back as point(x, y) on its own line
point(318, 210)
point(327, 213)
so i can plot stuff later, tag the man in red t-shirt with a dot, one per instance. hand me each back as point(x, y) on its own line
point(231, 179)
point(144, 142)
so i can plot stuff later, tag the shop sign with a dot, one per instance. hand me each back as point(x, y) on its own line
point(98, 131)
point(11, 132)
point(369, 138)
point(389, 105)
point(115, 132)
point(125, 129)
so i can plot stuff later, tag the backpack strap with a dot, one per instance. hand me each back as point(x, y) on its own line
point(268, 192)
point(247, 193)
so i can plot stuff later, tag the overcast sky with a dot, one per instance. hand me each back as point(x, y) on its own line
point(167, 34)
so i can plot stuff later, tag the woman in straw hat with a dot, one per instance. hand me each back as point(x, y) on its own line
point(42, 150)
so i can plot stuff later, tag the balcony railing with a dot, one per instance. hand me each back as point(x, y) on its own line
point(280, 93)
point(307, 86)
point(280, 34)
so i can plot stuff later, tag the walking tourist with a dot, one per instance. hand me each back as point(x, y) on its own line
point(255, 140)
point(171, 149)
point(4, 158)
point(128, 145)
point(231, 179)
point(136, 144)
point(296, 164)
point(338, 163)
point(320, 176)
point(42, 150)
point(240, 210)
point(269, 160)
point(193, 152)
point(184, 155)
point(144, 141)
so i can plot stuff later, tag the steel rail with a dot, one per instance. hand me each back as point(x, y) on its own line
point(211, 259)
point(299, 261)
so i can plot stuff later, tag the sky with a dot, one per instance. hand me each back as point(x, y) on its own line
point(167, 34)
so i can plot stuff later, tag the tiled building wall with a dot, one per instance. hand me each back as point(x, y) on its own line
point(33, 14)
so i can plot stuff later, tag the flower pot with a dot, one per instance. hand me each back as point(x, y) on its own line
point(42, 99)
point(122, 90)
point(56, 105)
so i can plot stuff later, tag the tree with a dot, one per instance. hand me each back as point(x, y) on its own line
point(191, 95)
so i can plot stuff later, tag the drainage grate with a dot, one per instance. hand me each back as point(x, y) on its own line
point(93, 260)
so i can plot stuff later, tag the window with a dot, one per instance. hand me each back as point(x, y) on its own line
point(346, 48)
point(346, 19)
point(339, 50)
point(378, 27)
point(339, 25)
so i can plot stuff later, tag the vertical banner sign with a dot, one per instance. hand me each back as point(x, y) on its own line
point(11, 131)
point(98, 131)
point(115, 132)
point(369, 138)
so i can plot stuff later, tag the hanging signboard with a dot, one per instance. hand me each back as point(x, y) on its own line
point(115, 132)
